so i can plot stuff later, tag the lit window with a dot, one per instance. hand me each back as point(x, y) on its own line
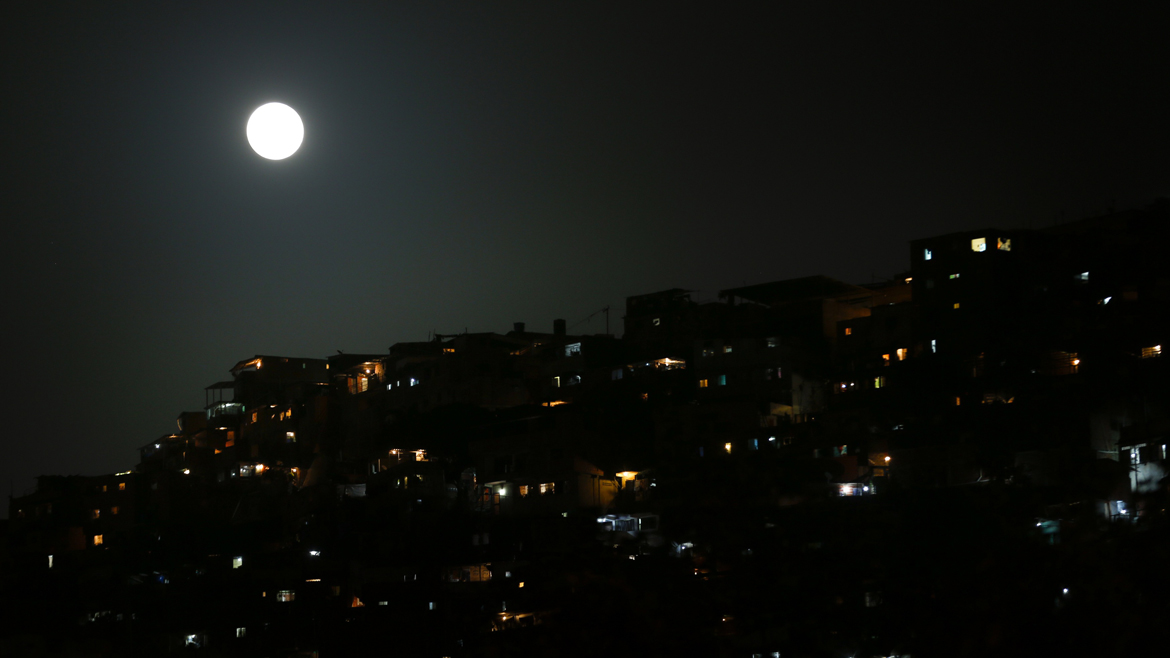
point(702, 383)
point(616, 374)
point(657, 321)
point(955, 275)
point(723, 380)
point(1005, 244)
point(927, 255)
point(255, 415)
point(50, 561)
point(933, 346)
point(430, 605)
point(879, 382)
point(902, 353)
point(885, 359)
point(121, 486)
point(1083, 277)
point(286, 595)
point(114, 510)
point(97, 540)
point(848, 331)
point(548, 488)
point(773, 342)
point(363, 384)
point(572, 349)
point(237, 562)
point(956, 305)
point(727, 447)
point(1151, 352)
point(104, 488)
point(290, 437)
point(413, 381)
point(241, 631)
point(524, 491)
point(727, 349)
point(708, 352)
point(958, 401)
point(95, 514)
point(979, 244)
point(556, 381)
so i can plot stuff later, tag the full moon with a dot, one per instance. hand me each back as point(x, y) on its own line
point(275, 131)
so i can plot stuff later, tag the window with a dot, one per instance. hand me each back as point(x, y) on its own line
point(413, 381)
point(727, 447)
point(933, 346)
point(727, 349)
point(254, 416)
point(121, 486)
point(556, 382)
point(1083, 277)
point(97, 540)
point(886, 359)
point(114, 510)
point(657, 321)
point(575, 379)
point(237, 562)
point(926, 254)
point(97, 513)
point(363, 384)
point(104, 488)
point(723, 380)
point(958, 401)
point(902, 352)
point(616, 374)
point(1151, 352)
point(955, 275)
point(524, 491)
point(848, 331)
point(979, 244)
point(702, 383)
point(290, 437)
point(879, 382)
point(773, 342)
point(286, 595)
point(956, 305)
point(1005, 244)
point(708, 352)
point(572, 349)
point(241, 631)
point(548, 488)
point(50, 561)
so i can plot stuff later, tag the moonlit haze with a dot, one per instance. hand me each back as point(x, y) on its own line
point(275, 131)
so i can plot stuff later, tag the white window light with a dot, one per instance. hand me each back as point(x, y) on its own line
point(241, 631)
point(933, 346)
point(979, 244)
point(1083, 276)
point(50, 561)
point(927, 255)
point(315, 553)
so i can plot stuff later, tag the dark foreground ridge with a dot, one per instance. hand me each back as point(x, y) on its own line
point(966, 460)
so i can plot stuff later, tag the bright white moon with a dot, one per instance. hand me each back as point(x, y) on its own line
point(275, 131)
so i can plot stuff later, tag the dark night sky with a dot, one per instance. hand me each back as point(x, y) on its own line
point(468, 166)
